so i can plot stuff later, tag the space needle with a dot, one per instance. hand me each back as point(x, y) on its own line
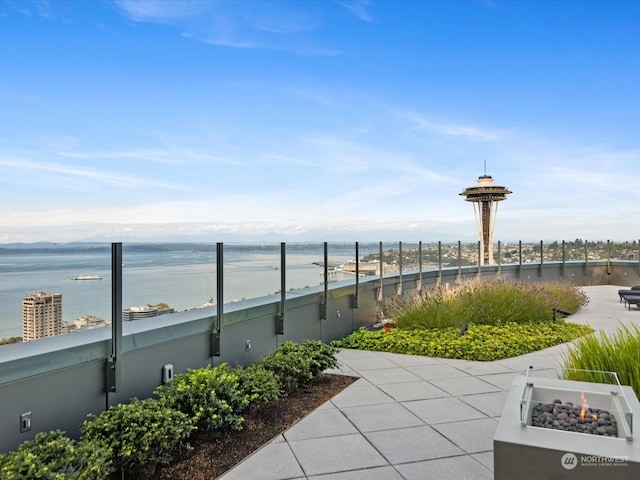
point(485, 197)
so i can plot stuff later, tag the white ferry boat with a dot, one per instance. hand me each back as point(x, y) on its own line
point(87, 277)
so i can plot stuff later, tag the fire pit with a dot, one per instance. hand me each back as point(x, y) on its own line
point(574, 418)
point(554, 428)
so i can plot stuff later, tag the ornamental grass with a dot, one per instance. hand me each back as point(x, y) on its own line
point(485, 302)
point(619, 353)
point(502, 319)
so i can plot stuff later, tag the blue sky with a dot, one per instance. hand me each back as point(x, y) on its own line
point(317, 120)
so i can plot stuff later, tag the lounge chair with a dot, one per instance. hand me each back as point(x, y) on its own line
point(630, 297)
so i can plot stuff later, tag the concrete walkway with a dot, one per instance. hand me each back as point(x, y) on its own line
point(411, 417)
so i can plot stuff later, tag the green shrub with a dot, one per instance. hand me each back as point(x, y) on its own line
point(143, 432)
point(53, 456)
point(480, 342)
point(259, 384)
point(485, 302)
point(619, 353)
point(290, 367)
point(298, 364)
point(321, 356)
point(211, 396)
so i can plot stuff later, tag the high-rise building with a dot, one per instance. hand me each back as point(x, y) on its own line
point(41, 315)
point(485, 197)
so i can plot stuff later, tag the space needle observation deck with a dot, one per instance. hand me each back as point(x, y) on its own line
point(485, 197)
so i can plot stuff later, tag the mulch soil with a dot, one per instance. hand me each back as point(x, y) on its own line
point(215, 453)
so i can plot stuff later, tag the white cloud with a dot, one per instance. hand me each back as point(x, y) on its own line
point(166, 157)
point(359, 8)
point(450, 130)
point(161, 10)
point(100, 176)
point(271, 25)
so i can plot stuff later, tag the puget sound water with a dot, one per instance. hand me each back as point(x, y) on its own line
point(183, 275)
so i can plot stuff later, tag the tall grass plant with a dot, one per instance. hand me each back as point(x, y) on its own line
point(619, 353)
point(487, 303)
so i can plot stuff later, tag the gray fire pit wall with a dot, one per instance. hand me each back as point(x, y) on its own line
point(526, 452)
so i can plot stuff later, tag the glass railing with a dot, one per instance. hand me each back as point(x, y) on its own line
point(159, 278)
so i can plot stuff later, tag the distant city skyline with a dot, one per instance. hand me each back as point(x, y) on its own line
point(317, 121)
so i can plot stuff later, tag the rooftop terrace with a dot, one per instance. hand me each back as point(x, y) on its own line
point(411, 417)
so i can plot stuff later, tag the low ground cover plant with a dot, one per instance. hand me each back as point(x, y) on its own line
point(138, 435)
point(619, 353)
point(480, 342)
point(502, 319)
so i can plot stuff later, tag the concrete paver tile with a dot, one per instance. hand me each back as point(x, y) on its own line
point(375, 473)
point(412, 444)
point(491, 404)
point(403, 360)
point(443, 410)
point(473, 436)
point(335, 454)
point(482, 368)
point(501, 380)
point(363, 365)
point(389, 416)
point(464, 385)
point(274, 461)
point(328, 422)
point(406, 391)
point(452, 468)
point(354, 396)
point(430, 372)
point(485, 458)
point(389, 375)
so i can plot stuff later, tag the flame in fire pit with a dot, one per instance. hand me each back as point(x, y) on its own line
point(585, 412)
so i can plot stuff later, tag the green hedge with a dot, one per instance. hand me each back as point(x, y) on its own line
point(139, 433)
point(296, 365)
point(210, 396)
point(142, 433)
point(53, 456)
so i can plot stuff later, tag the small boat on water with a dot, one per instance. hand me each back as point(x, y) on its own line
point(87, 277)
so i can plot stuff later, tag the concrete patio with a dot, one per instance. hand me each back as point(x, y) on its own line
point(411, 417)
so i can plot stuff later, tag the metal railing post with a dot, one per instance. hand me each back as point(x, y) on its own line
point(399, 287)
point(112, 365)
point(541, 258)
point(419, 285)
point(380, 291)
point(354, 302)
point(519, 259)
point(325, 294)
point(283, 289)
point(439, 262)
point(459, 260)
point(217, 332)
